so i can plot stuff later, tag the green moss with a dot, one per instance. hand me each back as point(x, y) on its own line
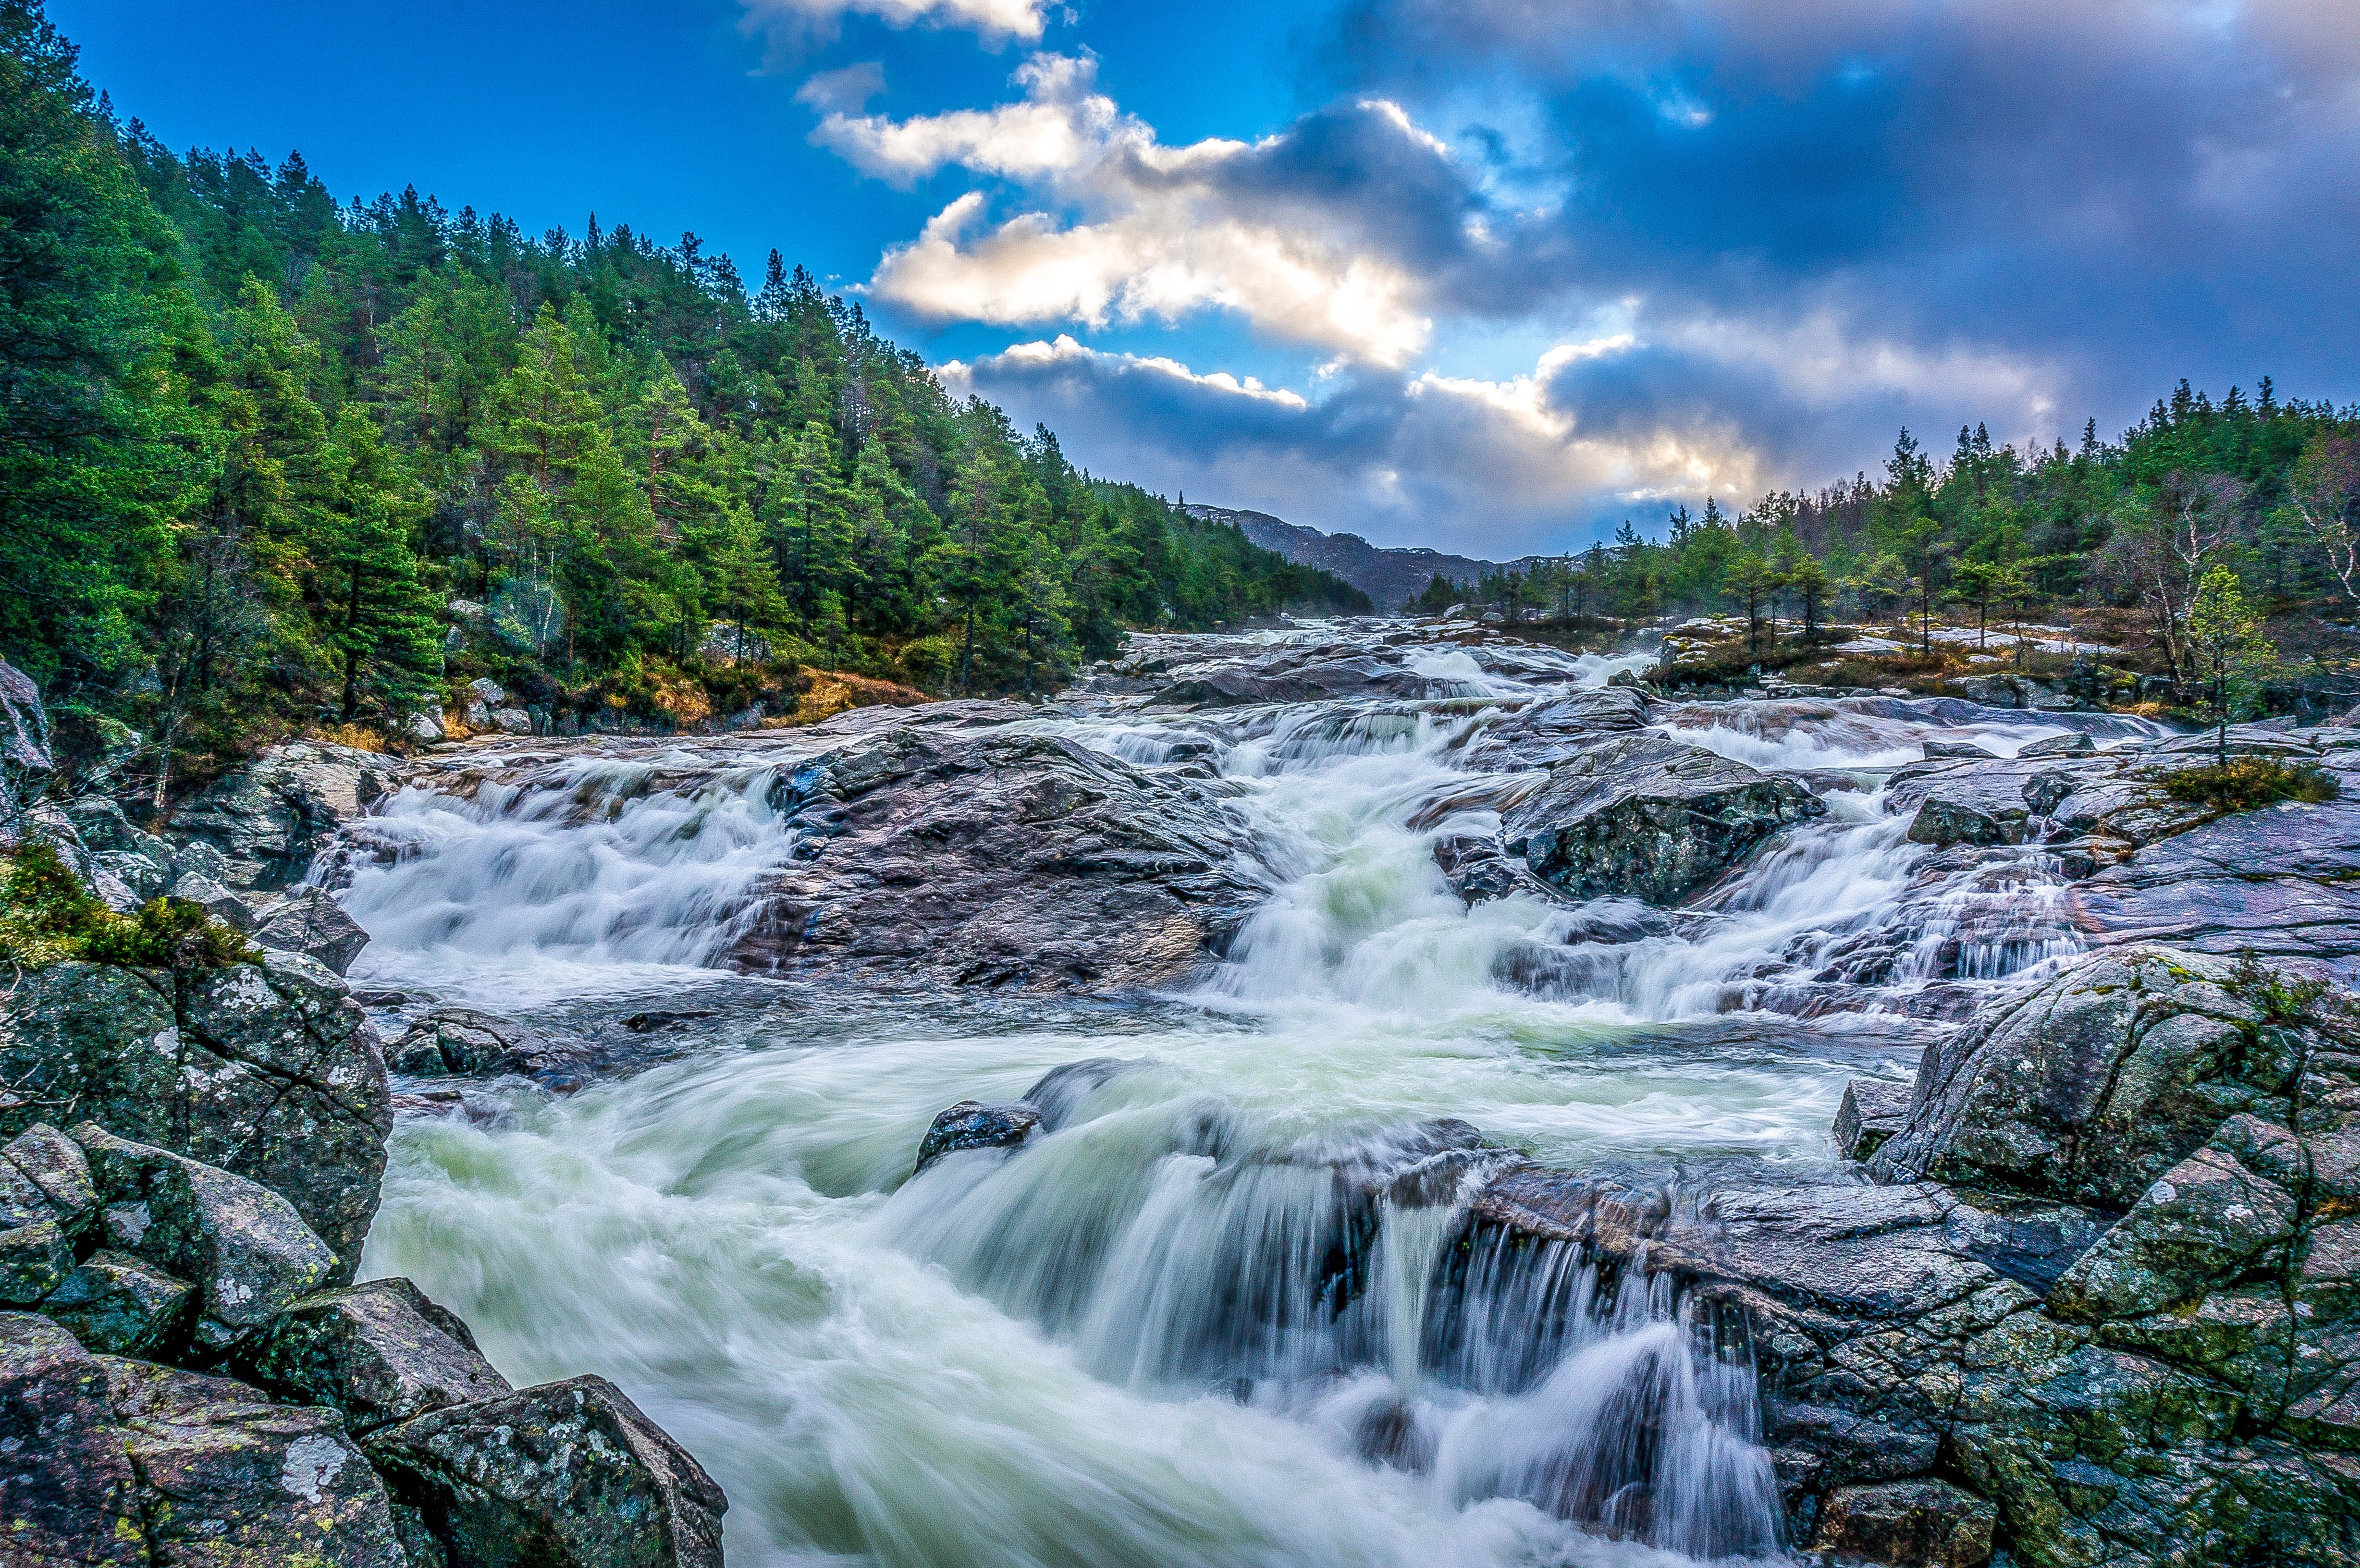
point(2244, 783)
point(47, 917)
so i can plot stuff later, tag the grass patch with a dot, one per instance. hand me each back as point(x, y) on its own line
point(47, 917)
point(2245, 782)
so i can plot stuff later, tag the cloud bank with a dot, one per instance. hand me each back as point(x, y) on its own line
point(1740, 244)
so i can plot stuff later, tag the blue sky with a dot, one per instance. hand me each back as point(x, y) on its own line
point(1490, 274)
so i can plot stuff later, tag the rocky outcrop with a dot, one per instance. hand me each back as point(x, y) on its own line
point(1646, 817)
point(269, 817)
point(2121, 1329)
point(267, 1069)
point(367, 1428)
point(310, 921)
point(1003, 859)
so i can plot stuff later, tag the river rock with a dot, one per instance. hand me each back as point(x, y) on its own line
point(1870, 1113)
point(248, 1251)
point(1946, 750)
point(68, 1496)
point(266, 1070)
point(927, 855)
point(228, 1480)
point(374, 1351)
point(310, 921)
point(561, 1476)
point(121, 1305)
point(971, 1123)
point(1942, 822)
point(1234, 688)
point(2072, 744)
point(270, 816)
point(1646, 817)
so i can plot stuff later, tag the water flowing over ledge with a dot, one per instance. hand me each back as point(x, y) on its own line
point(1234, 1305)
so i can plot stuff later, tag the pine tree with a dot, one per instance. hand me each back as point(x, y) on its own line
point(378, 618)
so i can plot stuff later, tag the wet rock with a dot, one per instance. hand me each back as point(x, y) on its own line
point(245, 1246)
point(374, 1351)
point(1907, 1524)
point(1234, 688)
point(68, 1496)
point(2093, 1086)
point(2075, 745)
point(562, 1476)
point(1480, 870)
point(310, 921)
point(1649, 818)
point(971, 1123)
point(464, 1042)
point(1942, 822)
point(1959, 749)
point(119, 1305)
point(1870, 1113)
point(268, 817)
point(227, 1480)
point(1001, 860)
point(26, 764)
point(1541, 734)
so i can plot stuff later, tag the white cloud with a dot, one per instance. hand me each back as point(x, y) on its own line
point(1116, 226)
point(798, 19)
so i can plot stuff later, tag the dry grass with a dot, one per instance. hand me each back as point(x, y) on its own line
point(833, 692)
point(359, 737)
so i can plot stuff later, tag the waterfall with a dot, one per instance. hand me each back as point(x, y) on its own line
point(1230, 1303)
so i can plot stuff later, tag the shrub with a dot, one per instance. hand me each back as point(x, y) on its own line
point(2247, 782)
point(48, 917)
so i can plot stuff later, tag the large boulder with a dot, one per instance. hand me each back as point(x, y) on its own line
point(269, 817)
point(69, 1497)
point(1002, 859)
point(561, 1476)
point(245, 1248)
point(310, 921)
point(2089, 1087)
point(379, 1352)
point(1646, 817)
point(266, 1070)
point(121, 1305)
point(229, 1480)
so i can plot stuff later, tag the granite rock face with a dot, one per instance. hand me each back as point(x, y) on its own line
point(67, 1494)
point(1646, 817)
point(268, 1070)
point(269, 817)
point(379, 1352)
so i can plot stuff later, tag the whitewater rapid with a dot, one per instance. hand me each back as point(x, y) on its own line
point(1126, 1342)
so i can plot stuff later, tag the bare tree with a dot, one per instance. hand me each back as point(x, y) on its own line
point(2325, 494)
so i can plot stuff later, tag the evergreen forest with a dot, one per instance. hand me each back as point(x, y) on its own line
point(271, 463)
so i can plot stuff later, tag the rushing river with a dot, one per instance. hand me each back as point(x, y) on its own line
point(1131, 1343)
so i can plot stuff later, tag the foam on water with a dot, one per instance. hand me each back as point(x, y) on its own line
point(1197, 1320)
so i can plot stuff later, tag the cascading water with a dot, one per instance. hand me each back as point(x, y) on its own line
point(1228, 1305)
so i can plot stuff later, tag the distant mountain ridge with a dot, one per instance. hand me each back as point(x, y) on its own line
point(1389, 575)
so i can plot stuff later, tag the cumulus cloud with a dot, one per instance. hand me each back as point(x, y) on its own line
point(1805, 225)
point(1324, 234)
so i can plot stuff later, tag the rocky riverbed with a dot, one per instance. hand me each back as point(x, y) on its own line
point(1412, 1095)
